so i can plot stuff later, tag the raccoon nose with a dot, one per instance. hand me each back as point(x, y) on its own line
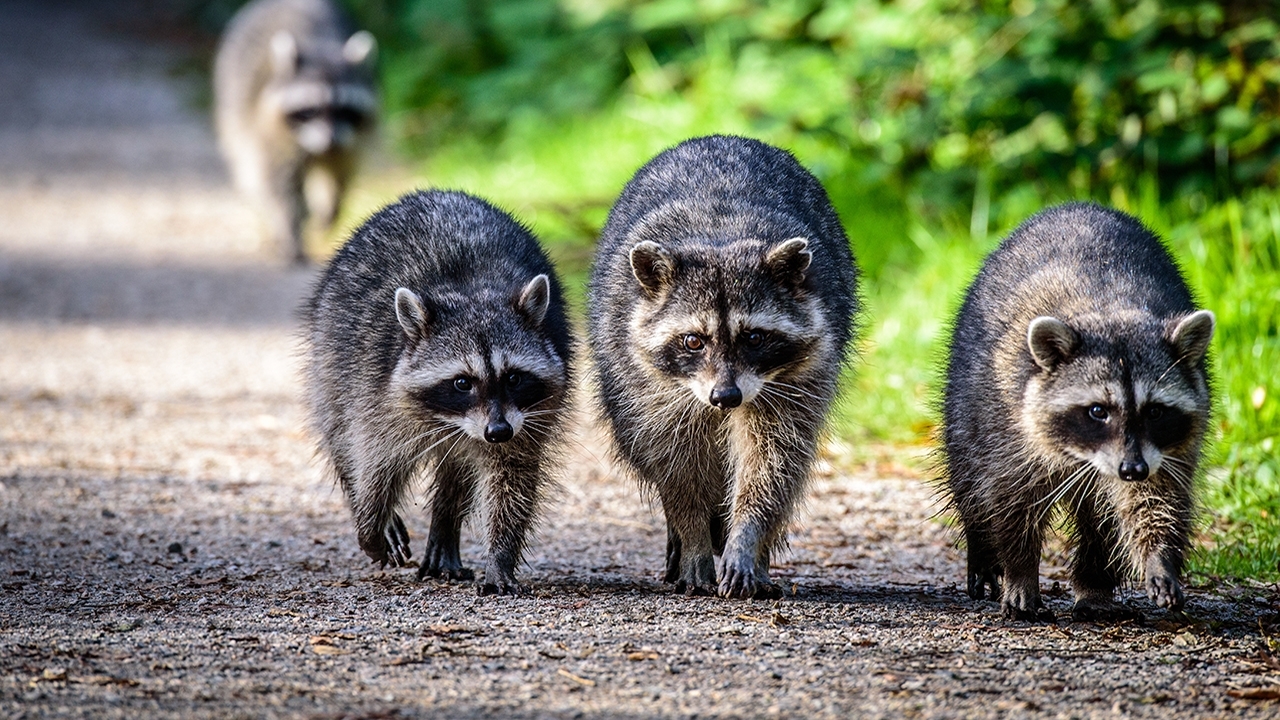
point(498, 431)
point(1133, 470)
point(726, 398)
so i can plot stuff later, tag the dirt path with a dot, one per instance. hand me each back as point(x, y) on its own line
point(168, 549)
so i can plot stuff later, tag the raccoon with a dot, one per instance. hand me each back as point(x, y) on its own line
point(437, 343)
point(721, 302)
point(1077, 379)
point(294, 102)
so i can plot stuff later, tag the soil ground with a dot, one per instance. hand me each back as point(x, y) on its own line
point(169, 549)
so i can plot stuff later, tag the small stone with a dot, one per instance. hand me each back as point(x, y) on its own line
point(175, 548)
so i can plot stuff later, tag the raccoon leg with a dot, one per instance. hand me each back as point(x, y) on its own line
point(770, 456)
point(672, 573)
point(381, 532)
point(1019, 540)
point(1156, 524)
point(690, 550)
point(1094, 571)
point(514, 489)
point(984, 567)
point(285, 212)
point(450, 503)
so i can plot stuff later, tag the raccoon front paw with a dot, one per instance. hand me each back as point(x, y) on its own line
point(740, 582)
point(1025, 606)
point(697, 576)
point(1102, 610)
point(389, 547)
point(499, 582)
point(1166, 592)
point(443, 563)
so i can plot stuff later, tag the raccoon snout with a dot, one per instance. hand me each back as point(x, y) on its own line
point(1134, 470)
point(499, 431)
point(726, 398)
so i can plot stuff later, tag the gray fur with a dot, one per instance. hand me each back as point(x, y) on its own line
point(1077, 379)
point(707, 234)
point(294, 102)
point(436, 288)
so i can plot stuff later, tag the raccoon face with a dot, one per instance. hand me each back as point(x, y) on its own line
point(728, 323)
point(1128, 403)
point(486, 377)
point(324, 96)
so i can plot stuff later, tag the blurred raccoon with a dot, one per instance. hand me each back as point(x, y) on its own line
point(1077, 379)
point(437, 342)
point(294, 101)
point(721, 310)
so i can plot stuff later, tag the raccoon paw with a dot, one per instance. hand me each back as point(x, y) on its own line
point(742, 583)
point(499, 582)
point(1095, 610)
point(1039, 614)
point(438, 564)
point(1165, 592)
point(391, 546)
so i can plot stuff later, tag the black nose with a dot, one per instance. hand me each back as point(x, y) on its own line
point(1133, 470)
point(725, 398)
point(498, 431)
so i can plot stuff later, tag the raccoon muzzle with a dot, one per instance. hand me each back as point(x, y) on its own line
point(498, 430)
point(726, 397)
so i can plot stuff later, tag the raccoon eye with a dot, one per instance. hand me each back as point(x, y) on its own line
point(300, 116)
point(693, 343)
point(1155, 412)
point(1099, 413)
point(462, 384)
point(755, 338)
point(514, 379)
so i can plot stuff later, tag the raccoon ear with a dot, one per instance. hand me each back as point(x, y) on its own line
point(412, 313)
point(788, 260)
point(535, 298)
point(360, 48)
point(652, 265)
point(284, 54)
point(1191, 336)
point(1050, 341)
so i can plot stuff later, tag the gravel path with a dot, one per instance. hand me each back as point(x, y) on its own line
point(167, 547)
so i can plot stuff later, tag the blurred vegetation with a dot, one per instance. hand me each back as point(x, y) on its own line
point(936, 126)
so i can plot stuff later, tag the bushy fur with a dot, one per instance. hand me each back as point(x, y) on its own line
point(437, 340)
point(294, 100)
point(1077, 378)
point(721, 308)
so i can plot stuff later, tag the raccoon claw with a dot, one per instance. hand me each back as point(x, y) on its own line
point(502, 587)
point(1102, 611)
point(741, 585)
point(499, 582)
point(391, 547)
point(441, 560)
point(445, 572)
point(689, 589)
point(1165, 592)
point(1038, 614)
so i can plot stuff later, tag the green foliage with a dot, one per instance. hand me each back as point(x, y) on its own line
point(936, 126)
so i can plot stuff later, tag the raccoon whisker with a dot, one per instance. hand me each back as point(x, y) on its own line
point(797, 389)
point(1061, 491)
point(1170, 369)
point(421, 454)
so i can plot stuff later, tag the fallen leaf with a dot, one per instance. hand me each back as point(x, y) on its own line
point(575, 678)
point(328, 650)
point(1256, 694)
point(54, 674)
point(642, 655)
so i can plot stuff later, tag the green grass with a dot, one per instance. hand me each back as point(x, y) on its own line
point(562, 181)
